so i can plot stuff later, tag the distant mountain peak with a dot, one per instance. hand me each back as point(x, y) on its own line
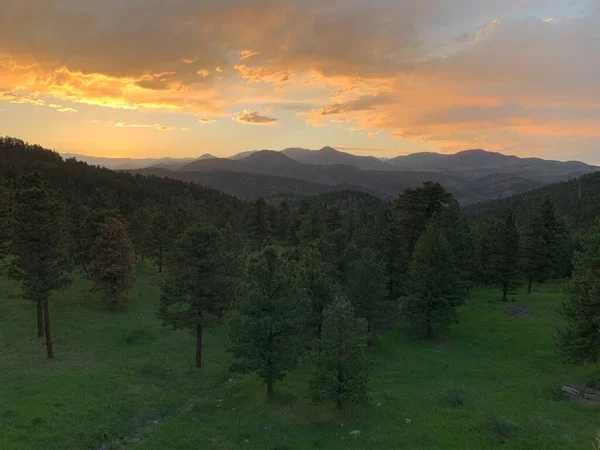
point(207, 156)
point(328, 149)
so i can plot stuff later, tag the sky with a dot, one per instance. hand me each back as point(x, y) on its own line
point(180, 78)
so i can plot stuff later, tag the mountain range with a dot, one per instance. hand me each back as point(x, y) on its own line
point(472, 175)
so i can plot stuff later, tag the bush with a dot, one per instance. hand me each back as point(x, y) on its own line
point(454, 396)
point(501, 428)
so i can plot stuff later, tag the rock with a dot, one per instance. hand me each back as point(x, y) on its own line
point(378, 404)
point(567, 438)
point(355, 434)
point(407, 421)
point(135, 441)
point(246, 441)
point(518, 310)
point(156, 422)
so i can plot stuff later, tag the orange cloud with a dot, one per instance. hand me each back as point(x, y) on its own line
point(21, 99)
point(156, 127)
point(253, 118)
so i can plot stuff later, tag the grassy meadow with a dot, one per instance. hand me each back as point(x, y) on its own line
point(121, 380)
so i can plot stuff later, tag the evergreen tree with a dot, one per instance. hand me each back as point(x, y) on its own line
point(460, 236)
point(313, 225)
point(334, 219)
point(415, 207)
point(318, 278)
point(557, 262)
point(257, 223)
point(5, 222)
point(482, 235)
point(579, 341)
point(342, 371)
point(198, 281)
point(366, 290)
point(283, 221)
point(160, 237)
point(87, 222)
point(504, 259)
point(40, 246)
point(392, 249)
point(112, 262)
point(435, 289)
point(533, 249)
point(139, 230)
point(268, 318)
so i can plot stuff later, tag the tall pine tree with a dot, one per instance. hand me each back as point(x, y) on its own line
point(342, 371)
point(415, 207)
point(112, 262)
point(40, 246)
point(5, 222)
point(318, 278)
point(533, 249)
point(505, 251)
point(268, 318)
point(366, 289)
point(199, 282)
point(579, 341)
point(435, 289)
point(257, 223)
point(557, 263)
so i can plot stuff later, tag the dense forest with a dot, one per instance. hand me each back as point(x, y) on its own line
point(295, 279)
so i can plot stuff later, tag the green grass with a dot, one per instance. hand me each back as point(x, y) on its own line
point(119, 377)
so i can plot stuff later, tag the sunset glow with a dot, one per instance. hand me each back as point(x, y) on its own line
point(151, 78)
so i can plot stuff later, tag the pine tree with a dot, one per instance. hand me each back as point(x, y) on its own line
point(5, 222)
point(579, 341)
point(342, 371)
point(198, 281)
point(268, 318)
point(533, 249)
point(257, 223)
point(40, 246)
point(366, 290)
point(435, 289)
point(415, 207)
point(160, 237)
point(392, 249)
point(313, 226)
point(87, 220)
point(318, 279)
point(557, 262)
point(334, 219)
point(283, 221)
point(459, 234)
point(139, 230)
point(504, 259)
point(112, 262)
point(482, 235)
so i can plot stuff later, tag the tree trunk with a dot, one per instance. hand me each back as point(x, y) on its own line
point(49, 349)
point(530, 282)
point(429, 330)
point(199, 346)
point(504, 293)
point(160, 255)
point(40, 318)
point(269, 385)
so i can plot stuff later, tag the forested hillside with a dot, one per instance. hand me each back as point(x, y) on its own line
point(577, 202)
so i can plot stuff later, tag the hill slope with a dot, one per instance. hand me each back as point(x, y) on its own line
point(478, 163)
point(577, 200)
